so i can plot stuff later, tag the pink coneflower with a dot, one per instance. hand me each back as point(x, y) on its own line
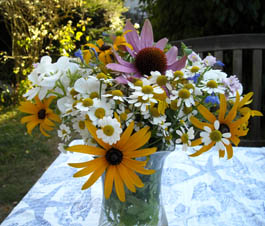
point(147, 55)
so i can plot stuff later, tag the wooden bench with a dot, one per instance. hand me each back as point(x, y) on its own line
point(245, 58)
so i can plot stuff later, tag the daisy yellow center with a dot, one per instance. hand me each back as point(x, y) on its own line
point(41, 114)
point(87, 102)
point(185, 138)
point(212, 84)
point(93, 95)
point(179, 74)
point(101, 76)
point(100, 113)
point(117, 93)
point(151, 59)
point(189, 86)
point(147, 89)
point(174, 105)
point(184, 93)
point(114, 156)
point(108, 130)
point(194, 69)
point(161, 80)
point(81, 125)
point(138, 83)
point(216, 135)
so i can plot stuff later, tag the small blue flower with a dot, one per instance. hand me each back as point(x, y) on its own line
point(79, 54)
point(219, 63)
point(195, 77)
point(212, 99)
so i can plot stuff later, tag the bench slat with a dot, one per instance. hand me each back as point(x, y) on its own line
point(237, 63)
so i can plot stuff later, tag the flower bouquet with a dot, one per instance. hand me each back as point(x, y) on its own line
point(128, 97)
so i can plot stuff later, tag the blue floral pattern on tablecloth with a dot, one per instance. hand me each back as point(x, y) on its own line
point(197, 191)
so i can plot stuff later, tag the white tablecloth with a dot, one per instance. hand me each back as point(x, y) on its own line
point(204, 190)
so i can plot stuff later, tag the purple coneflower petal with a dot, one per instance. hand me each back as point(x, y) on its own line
point(132, 37)
point(147, 38)
point(172, 55)
point(178, 65)
point(161, 43)
point(121, 68)
point(121, 79)
point(121, 61)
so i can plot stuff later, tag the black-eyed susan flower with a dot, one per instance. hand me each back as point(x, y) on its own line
point(41, 115)
point(220, 132)
point(116, 159)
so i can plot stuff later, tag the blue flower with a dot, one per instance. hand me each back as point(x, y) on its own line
point(212, 99)
point(79, 54)
point(195, 77)
point(219, 63)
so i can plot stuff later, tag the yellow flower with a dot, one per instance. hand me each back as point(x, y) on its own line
point(121, 41)
point(244, 110)
point(41, 115)
point(104, 52)
point(227, 125)
point(116, 159)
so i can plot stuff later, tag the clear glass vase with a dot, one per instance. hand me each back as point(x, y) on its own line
point(145, 206)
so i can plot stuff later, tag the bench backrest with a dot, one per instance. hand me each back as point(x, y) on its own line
point(247, 61)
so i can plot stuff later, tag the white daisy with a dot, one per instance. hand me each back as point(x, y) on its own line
point(64, 132)
point(186, 135)
point(211, 86)
point(183, 95)
point(209, 136)
point(110, 130)
point(216, 75)
point(100, 110)
point(85, 104)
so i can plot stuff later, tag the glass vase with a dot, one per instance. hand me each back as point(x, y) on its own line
point(145, 206)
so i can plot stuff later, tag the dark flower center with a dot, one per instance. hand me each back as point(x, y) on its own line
point(151, 59)
point(41, 114)
point(104, 47)
point(224, 128)
point(114, 156)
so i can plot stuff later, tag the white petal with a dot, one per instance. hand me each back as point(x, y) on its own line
point(207, 129)
point(216, 124)
point(227, 135)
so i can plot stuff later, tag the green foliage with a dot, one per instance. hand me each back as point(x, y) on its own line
point(191, 18)
point(52, 27)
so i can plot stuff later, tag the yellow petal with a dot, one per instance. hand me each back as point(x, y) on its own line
point(119, 186)
point(125, 178)
point(203, 149)
point(221, 153)
point(245, 99)
point(131, 164)
point(229, 150)
point(222, 110)
point(91, 166)
point(108, 185)
point(86, 149)
point(47, 101)
point(133, 176)
point(232, 113)
point(80, 164)
point(196, 122)
point(43, 131)
point(93, 178)
point(125, 136)
point(196, 142)
point(29, 118)
point(234, 139)
point(31, 125)
point(54, 117)
point(136, 138)
point(92, 129)
point(28, 107)
point(140, 153)
point(206, 113)
point(240, 121)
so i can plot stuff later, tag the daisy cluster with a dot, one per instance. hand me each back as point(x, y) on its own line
point(128, 77)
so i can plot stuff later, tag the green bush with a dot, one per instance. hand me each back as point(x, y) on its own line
point(179, 19)
point(50, 27)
